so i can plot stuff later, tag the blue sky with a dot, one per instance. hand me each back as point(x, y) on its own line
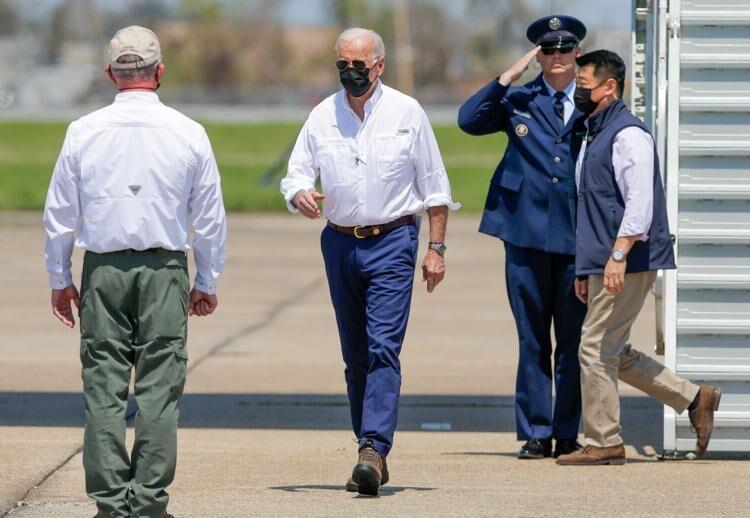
point(597, 14)
point(616, 14)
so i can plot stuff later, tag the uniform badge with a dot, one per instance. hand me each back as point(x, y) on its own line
point(522, 130)
point(555, 23)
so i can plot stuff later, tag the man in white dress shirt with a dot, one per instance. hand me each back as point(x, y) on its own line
point(131, 179)
point(379, 164)
point(622, 239)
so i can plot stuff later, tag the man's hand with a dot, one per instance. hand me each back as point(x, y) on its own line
point(614, 276)
point(202, 304)
point(61, 307)
point(582, 289)
point(516, 70)
point(307, 203)
point(433, 269)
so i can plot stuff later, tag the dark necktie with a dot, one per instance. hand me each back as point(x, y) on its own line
point(560, 108)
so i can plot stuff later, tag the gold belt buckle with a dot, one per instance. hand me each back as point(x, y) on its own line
point(356, 230)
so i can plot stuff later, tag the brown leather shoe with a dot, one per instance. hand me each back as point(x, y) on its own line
point(353, 487)
point(702, 418)
point(369, 471)
point(594, 456)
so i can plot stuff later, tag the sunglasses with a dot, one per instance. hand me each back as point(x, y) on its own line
point(358, 64)
point(563, 50)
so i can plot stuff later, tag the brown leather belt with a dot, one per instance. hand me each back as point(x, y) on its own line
point(361, 232)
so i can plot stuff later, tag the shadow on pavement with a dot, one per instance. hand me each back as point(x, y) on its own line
point(384, 491)
point(641, 417)
point(631, 460)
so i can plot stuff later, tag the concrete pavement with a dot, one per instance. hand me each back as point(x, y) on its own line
point(265, 428)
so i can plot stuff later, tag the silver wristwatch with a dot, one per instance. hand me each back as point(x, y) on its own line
point(618, 255)
point(440, 248)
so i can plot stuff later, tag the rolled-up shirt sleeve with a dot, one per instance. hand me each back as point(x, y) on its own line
point(62, 212)
point(431, 177)
point(208, 219)
point(633, 162)
point(301, 172)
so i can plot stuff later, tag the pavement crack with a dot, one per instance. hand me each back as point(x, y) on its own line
point(22, 502)
point(275, 311)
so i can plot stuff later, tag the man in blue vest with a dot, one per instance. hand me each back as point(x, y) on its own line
point(531, 208)
point(622, 239)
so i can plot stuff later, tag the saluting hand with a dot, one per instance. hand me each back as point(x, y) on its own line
point(202, 304)
point(433, 269)
point(61, 307)
point(307, 203)
point(516, 70)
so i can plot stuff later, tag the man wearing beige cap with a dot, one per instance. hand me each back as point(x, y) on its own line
point(131, 180)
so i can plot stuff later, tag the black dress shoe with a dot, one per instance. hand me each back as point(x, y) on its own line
point(536, 449)
point(566, 446)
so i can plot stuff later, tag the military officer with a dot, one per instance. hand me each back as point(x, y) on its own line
point(130, 182)
point(530, 207)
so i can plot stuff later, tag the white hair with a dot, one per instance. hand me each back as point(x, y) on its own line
point(378, 47)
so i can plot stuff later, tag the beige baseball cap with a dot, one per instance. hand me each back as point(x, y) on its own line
point(134, 40)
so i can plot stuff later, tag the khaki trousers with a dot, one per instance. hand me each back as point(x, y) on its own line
point(606, 355)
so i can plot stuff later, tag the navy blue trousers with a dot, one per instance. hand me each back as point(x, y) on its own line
point(541, 293)
point(371, 281)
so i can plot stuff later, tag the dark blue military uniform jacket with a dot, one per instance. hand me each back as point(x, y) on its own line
point(532, 195)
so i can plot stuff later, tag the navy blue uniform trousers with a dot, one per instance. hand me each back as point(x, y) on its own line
point(371, 282)
point(541, 292)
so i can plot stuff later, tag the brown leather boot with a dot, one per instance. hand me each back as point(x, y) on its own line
point(352, 486)
point(368, 473)
point(702, 418)
point(594, 456)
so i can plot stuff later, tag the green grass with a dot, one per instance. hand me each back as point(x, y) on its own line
point(244, 152)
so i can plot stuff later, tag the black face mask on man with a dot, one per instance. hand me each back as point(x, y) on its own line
point(355, 82)
point(582, 99)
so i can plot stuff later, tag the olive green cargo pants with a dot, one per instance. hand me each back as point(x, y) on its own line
point(133, 317)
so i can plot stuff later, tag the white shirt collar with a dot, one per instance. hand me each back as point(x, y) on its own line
point(376, 95)
point(569, 90)
point(136, 96)
point(371, 102)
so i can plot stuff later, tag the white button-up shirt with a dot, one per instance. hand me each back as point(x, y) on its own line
point(135, 175)
point(372, 171)
point(568, 103)
point(633, 164)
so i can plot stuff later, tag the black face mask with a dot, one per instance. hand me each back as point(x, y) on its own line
point(355, 82)
point(582, 99)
